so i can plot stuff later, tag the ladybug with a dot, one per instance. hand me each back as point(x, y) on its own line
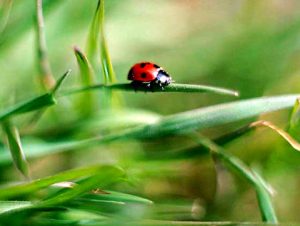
point(148, 75)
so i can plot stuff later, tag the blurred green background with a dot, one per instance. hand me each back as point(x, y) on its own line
point(252, 46)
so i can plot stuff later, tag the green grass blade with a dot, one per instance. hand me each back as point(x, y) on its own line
point(185, 122)
point(60, 81)
point(108, 71)
point(15, 147)
point(174, 87)
point(109, 75)
point(294, 125)
point(107, 203)
point(264, 200)
point(118, 197)
point(86, 100)
point(216, 115)
point(33, 104)
point(12, 206)
point(263, 197)
point(30, 187)
point(86, 71)
point(92, 46)
point(104, 177)
point(97, 42)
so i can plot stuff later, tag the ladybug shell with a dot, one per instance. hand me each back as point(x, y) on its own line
point(144, 72)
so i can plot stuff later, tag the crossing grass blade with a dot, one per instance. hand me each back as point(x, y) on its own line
point(15, 147)
point(108, 204)
point(105, 202)
point(263, 197)
point(104, 177)
point(181, 123)
point(174, 87)
point(12, 191)
point(33, 104)
point(7, 207)
point(36, 103)
point(215, 115)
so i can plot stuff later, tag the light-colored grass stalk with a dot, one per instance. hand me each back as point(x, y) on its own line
point(45, 72)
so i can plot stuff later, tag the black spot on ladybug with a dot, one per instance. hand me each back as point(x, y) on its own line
point(143, 75)
point(156, 66)
point(143, 65)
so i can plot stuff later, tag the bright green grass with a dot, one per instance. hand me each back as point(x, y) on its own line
point(90, 122)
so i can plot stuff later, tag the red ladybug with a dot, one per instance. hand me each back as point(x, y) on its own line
point(148, 75)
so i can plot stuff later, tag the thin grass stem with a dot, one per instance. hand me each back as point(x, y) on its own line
point(44, 67)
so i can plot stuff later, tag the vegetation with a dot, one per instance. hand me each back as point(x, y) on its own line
point(81, 146)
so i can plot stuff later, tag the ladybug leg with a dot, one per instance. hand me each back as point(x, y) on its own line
point(135, 85)
point(149, 86)
point(160, 85)
point(153, 85)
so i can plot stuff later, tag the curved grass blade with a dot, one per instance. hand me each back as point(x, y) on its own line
point(263, 197)
point(279, 131)
point(86, 100)
point(30, 187)
point(35, 103)
point(174, 87)
point(12, 206)
point(86, 71)
point(104, 177)
point(109, 74)
point(15, 147)
point(97, 42)
point(263, 192)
